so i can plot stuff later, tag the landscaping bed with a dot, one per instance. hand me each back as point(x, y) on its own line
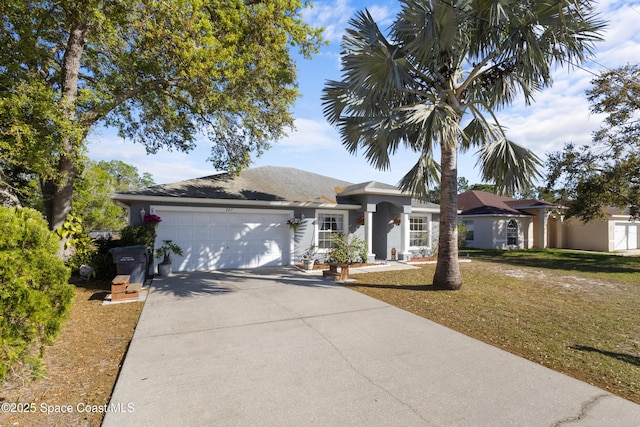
point(81, 366)
point(325, 266)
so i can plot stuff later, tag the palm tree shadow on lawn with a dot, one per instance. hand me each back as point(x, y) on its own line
point(628, 358)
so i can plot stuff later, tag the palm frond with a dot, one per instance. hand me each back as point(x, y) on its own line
point(442, 60)
point(479, 131)
point(425, 174)
point(371, 63)
point(510, 166)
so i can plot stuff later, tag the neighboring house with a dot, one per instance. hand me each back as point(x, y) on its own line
point(615, 232)
point(497, 222)
point(228, 221)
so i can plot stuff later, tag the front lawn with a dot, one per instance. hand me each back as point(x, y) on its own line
point(577, 313)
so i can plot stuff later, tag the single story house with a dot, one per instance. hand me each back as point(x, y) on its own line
point(615, 232)
point(497, 222)
point(270, 216)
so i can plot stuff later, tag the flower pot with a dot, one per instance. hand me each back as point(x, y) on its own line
point(164, 270)
point(308, 264)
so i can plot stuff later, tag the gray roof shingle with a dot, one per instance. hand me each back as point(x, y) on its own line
point(267, 183)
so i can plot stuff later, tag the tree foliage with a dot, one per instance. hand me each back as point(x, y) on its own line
point(347, 249)
point(442, 61)
point(94, 184)
point(34, 294)
point(605, 173)
point(164, 73)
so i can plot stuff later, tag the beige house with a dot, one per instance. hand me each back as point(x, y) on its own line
point(614, 233)
point(497, 222)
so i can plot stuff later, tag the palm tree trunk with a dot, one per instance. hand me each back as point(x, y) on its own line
point(447, 275)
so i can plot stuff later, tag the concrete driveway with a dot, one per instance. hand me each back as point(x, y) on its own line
point(276, 347)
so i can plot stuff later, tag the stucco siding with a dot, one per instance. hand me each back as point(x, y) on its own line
point(482, 232)
point(491, 232)
point(590, 236)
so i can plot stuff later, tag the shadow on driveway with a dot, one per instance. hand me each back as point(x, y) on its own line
point(190, 284)
point(201, 283)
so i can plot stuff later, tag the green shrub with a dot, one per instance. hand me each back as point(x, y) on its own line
point(347, 249)
point(81, 244)
point(35, 296)
point(95, 253)
point(133, 235)
point(462, 236)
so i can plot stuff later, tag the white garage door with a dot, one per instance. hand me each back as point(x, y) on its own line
point(216, 238)
point(626, 236)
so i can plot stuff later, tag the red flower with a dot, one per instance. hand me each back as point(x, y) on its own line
point(152, 219)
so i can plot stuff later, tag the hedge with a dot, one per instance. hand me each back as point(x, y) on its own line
point(35, 296)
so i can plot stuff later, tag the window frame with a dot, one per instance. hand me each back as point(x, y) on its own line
point(426, 223)
point(510, 234)
point(470, 230)
point(321, 234)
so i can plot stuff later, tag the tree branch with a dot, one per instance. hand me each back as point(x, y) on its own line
point(98, 112)
point(477, 69)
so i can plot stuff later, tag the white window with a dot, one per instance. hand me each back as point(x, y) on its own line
point(419, 231)
point(328, 225)
point(469, 226)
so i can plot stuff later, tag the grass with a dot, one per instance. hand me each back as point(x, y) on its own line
point(576, 313)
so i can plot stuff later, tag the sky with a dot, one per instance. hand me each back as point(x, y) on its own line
point(559, 115)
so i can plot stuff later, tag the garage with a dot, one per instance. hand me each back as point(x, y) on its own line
point(224, 238)
point(626, 236)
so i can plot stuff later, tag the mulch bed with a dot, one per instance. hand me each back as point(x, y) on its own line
point(81, 366)
point(325, 266)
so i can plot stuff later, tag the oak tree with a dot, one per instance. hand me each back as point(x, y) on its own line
point(605, 173)
point(163, 73)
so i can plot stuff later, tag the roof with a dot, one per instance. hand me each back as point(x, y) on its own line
point(482, 203)
point(613, 211)
point(371, 187)
point(267, 183)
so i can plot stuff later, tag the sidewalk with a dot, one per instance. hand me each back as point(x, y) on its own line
point(276, 347)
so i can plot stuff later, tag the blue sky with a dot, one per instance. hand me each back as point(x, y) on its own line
point(559, 115)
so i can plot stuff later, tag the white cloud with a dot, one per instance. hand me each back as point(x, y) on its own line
point(333, 16)
point(383, 15)
point(310, 135)
point(561, 114)
point(165, 166)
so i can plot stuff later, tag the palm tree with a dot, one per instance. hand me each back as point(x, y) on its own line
point(444, 60)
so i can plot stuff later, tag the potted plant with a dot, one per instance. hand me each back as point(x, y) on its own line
point(164, 252)
point(308, 258)
point(294, 223)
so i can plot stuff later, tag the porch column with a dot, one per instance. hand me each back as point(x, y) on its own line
point(543, 231)
point(559, 231)
point(368, 235)
point(404, 242)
